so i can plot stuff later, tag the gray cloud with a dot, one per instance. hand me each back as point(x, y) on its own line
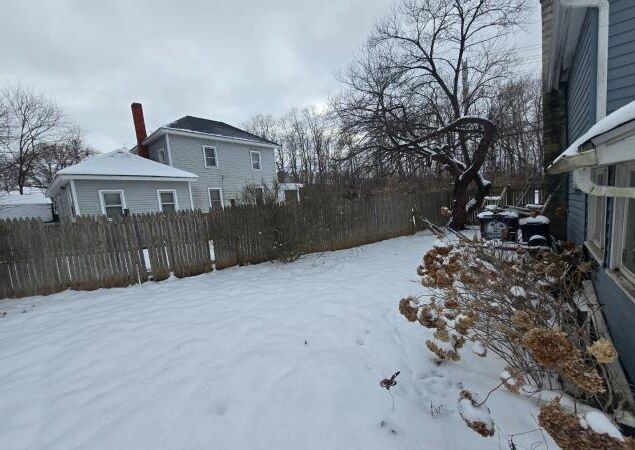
point(225, 60)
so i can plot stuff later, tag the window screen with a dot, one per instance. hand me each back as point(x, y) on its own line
point(113, 204)
point(210, 157)
point(215, 200)
point(255, 160)
point(168, 202)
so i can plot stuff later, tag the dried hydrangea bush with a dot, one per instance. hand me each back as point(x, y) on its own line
point(520, 306)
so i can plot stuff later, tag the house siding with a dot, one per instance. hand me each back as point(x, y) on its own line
point(576, 214)
point(580, 107)
point(581, 89)
point(618, 308)
point(141, 196)
point(233, 172)
point(621, 57)
point(155, 146)
point(619, 311)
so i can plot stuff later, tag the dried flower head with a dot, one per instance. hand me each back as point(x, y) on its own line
point(451, 355)
point(408, 308)
point(586, 378)
point(549, 348)
point(523, 320)
point(475, 414)
point(427, 317)
point(512, 379)
point(568, 433)
point(603, 351)
point(442, 277)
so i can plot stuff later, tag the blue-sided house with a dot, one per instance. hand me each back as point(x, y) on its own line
point(589, 92)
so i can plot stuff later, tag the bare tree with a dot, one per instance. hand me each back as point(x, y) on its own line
point(517, 110)
point(69, 150)
point(421, 91)
point(31, 124)
point(267, 127)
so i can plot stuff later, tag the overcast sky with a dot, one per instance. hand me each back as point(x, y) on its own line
point(222, 60)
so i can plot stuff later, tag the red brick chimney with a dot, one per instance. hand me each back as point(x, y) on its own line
point(139, 129)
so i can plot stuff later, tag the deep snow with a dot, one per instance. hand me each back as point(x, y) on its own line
point(270, 356)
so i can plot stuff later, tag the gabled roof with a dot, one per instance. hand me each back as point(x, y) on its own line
point(215, 128)
point(124, 163)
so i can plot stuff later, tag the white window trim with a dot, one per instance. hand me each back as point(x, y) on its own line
point(205, 147)
point(209, 197)
point(167, 143)
point(597, 249)
point(176, 201)
point(165, 155)
point(111, 191)
point(251, 159)
point(620, 213)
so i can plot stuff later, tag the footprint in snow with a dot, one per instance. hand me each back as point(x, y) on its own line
point(359, 341)
point(387, 426)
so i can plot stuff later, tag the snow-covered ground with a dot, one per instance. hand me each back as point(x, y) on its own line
point(270, 356)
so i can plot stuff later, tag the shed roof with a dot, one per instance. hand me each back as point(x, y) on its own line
point(124, 163)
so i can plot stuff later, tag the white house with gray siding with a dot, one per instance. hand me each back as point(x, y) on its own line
point(226, 159)
point(589, 91)
point(117, 183)
point(191, 163)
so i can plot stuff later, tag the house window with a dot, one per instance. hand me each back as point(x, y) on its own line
point(597, 213)
point(167, 200)
point(215, 199)
point(161, 156)
point(255, 160)
point(211, 159)
point(113, 203)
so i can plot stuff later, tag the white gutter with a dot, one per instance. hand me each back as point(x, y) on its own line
point(582, 179)
point(570, 163)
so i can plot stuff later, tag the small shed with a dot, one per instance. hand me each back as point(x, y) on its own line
point(289, 192)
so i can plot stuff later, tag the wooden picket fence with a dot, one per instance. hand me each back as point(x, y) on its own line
point(92, 252)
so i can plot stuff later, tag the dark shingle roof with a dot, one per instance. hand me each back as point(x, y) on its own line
point(214, 127)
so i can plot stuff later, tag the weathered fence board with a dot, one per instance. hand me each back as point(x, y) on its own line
point(92, 252)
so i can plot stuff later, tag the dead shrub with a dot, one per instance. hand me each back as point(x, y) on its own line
point(569, 434)
point(517, 305)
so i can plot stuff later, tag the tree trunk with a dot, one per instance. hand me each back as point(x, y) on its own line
point(459, 204)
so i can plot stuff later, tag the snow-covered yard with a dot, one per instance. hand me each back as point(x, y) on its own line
point(271, 356)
